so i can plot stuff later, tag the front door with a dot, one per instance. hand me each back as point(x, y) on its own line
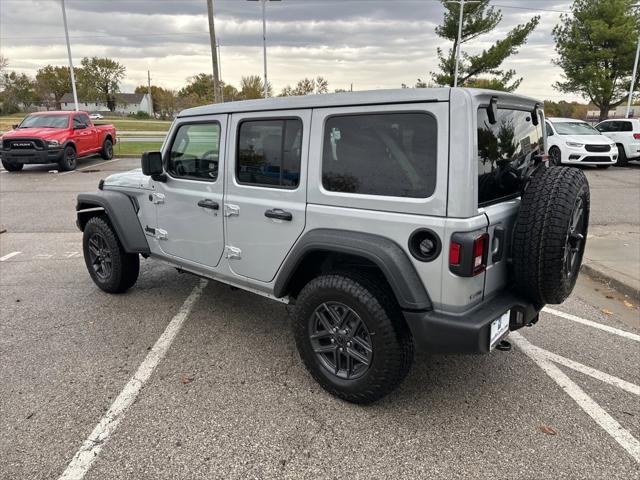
point(265, 201)
point(189, 203)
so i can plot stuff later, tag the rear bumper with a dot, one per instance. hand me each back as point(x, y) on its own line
point(27, 156)
point(440, 332)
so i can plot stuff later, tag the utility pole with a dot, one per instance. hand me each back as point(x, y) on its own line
point(73, 77)
point(633, 80)
point(149, 91)
point(214, 54)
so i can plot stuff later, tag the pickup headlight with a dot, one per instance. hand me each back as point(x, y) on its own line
point(53, 143)
point(575, 145)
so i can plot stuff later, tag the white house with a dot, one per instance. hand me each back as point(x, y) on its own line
point(125, 103)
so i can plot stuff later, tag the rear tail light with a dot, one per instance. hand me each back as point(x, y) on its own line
point(468, 254)
point(480, 247)
point(636, 136)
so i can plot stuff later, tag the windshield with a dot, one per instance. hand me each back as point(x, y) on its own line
point(575, 128)
point(45, 121)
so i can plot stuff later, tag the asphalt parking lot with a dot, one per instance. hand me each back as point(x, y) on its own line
point(231, 398)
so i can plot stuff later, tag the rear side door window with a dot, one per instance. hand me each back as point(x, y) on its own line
point(269, 153)
point(626, 127)
point(389, 154)
point(195, 152)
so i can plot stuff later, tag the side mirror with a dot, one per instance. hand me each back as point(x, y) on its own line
point(534, 115)
point(492, 110)
point(14, 126)
point(151, 163)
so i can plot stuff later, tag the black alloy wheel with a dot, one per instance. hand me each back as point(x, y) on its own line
point(556, 156)
point(340, 340)
point(100, 256)
point(574, 244)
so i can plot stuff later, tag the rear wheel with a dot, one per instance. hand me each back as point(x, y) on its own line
point(69, 159)
point(550, 234)
point(351, 336)
point(110, 267)
point(556, 156)
point(622, 157)
point(12, 167)
point(107, 149)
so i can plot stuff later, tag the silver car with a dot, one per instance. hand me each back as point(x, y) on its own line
point(390, 220)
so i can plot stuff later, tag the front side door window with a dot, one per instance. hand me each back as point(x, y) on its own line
point(195, 152)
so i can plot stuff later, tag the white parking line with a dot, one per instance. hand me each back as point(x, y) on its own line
point(584, 321)
point(90, 166)
point(90, 449)
point(590, 407)
point(592, 372)
point(9, 255)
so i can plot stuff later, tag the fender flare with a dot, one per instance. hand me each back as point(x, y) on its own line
point(121, 210)
point(392, 260)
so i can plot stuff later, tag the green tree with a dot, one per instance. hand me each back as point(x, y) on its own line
point(478, 19)
point(306, 86)
point(99, 79)
point(565, 109)
point(19, 92)
point(252, 87)
point(52, 83)
point(596, 44)
point(199, 88)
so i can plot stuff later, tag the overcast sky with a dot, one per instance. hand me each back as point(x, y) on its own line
point(370, 43)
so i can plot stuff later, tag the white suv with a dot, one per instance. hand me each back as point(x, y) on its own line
point(626, 134)
point(572, 141)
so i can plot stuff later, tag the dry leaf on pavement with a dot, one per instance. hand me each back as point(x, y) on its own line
point(547, 430)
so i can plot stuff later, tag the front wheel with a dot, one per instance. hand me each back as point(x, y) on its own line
point(69, 159)
point(111, 268)
point(351, 336)
point(12, 167)
point(556, 156)
point(622, 157)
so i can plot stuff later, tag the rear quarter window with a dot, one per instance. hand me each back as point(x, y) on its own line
point(505, 150)
point(389, 154)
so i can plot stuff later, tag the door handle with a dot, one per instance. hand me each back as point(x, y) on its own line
point(279, 214)
point(208, 203)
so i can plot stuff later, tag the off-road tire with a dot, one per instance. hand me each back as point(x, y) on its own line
point(69, 159)
point(622, 157)
point(392, 345)
point(12, 167)
point(541, 235)
point(124, 266)
point(107, 149)
point(555, 156)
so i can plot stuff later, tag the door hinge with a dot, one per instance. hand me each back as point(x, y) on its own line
point(230, 210)
point(233, 252)
point(157, 197)
point(161, 234)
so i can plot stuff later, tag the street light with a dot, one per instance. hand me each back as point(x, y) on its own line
point(461, 3)
point(264, 41)
point(635, 69)
point(73, 78)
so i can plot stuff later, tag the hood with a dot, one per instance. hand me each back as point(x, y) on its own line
point(588, 139)
point(131, 179)
point(43, 133)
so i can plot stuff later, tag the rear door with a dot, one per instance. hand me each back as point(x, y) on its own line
point(505, 150)
point(265, 199)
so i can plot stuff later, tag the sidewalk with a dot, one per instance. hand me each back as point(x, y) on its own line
point(613, 256)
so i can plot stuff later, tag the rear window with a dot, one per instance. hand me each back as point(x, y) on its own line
point(391, 154)
point(505, 149)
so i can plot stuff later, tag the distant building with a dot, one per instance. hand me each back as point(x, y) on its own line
point(125, 103)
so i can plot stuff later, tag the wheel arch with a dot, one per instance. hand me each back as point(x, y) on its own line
point(324, 250)
point(121, 211)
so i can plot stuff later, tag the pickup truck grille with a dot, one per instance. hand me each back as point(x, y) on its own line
point(23, 144)
point(597, 148)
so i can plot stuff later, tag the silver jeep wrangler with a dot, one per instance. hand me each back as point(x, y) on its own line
point(389, 220)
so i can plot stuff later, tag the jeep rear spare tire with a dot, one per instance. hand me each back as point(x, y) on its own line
point(550, 234)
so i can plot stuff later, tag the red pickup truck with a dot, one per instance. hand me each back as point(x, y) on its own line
point(55, 137)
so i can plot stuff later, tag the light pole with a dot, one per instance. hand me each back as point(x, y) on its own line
point(461, 3)
point(264, 41)
point(73, 77)
point(214, 55)
point(635, 70)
